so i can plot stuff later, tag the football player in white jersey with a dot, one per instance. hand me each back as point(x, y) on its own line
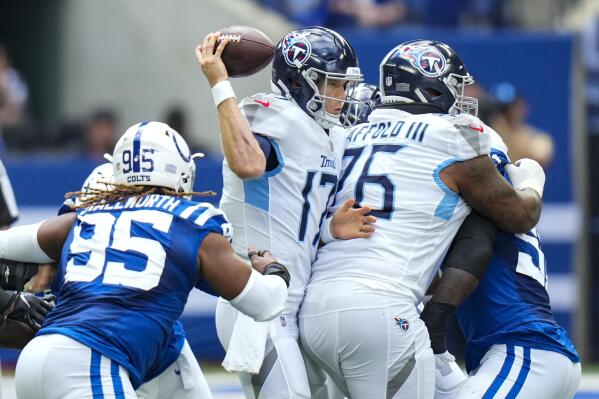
point(283, 153)
point(420, 163)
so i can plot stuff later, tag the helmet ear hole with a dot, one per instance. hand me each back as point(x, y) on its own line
point(432, 92)
point(295, 84)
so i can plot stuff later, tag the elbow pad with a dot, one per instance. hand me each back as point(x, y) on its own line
point(20, 244)
point(263, 297)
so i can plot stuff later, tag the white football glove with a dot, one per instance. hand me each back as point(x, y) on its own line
point(527, 173)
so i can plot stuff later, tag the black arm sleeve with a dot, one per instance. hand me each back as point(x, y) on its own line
point(472, 247)
point(464, 266)
point(269, 152)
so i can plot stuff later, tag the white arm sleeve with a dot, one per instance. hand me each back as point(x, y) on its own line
point(20, 244)
point(263, 297)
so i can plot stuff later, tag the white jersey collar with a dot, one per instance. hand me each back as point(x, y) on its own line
point(383, 114)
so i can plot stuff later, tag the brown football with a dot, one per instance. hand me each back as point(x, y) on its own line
point(249, 50)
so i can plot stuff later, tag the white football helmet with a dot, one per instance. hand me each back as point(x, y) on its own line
point(153, 154)
point(99, 178)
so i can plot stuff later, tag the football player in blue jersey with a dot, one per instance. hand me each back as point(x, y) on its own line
point(498, 281)
point(131, 256)
point(177, 374)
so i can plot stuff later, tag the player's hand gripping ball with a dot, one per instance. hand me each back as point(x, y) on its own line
point(249, 50)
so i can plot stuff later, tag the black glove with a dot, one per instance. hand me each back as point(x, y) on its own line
point(435, 316)
point(14, 275)
point(26, 308)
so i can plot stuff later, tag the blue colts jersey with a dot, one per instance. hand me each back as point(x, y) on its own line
point(128, 269)
point(511, 304)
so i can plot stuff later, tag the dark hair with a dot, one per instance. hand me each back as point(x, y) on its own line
point(90, 196)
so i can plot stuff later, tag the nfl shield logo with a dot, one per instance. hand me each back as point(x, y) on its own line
point(388, 81)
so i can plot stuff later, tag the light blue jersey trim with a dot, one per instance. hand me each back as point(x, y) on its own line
point(503, 373)
point(446, 207)
point(257, 191)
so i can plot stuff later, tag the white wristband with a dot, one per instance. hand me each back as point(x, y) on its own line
point(326, 236)
point(222, 91)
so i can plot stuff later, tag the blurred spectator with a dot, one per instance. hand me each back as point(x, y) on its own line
point(367, 13)
point(436, 12)
point(101, 132)
point(13, 93)
point(176, 117)
point(486, 106)
point(522, 139)
point(445, 13)
point(306, 12)
point(485, 13)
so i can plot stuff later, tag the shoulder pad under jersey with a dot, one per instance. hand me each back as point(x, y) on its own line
point(472, 138)
point(268, 114)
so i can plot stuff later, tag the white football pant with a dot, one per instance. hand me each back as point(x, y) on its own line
point(283, 372)
point(54, 366)
point(181, 380)
point(372, 346)
point(508, 371)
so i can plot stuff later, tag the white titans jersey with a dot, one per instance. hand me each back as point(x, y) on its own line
point(393, 164)
point(282, 211)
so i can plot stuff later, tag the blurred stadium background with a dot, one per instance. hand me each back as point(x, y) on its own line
point(75, 73)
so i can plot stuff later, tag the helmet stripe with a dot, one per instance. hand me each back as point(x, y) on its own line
point(187, 157)
point(137, 148)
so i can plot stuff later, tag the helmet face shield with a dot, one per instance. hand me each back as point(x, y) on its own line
point(457, 85)
point(316, 106)
point(368, 96)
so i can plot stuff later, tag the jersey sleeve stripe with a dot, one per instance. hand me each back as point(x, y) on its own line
point(450, 200)
point(189, 210)
point(207, 214)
